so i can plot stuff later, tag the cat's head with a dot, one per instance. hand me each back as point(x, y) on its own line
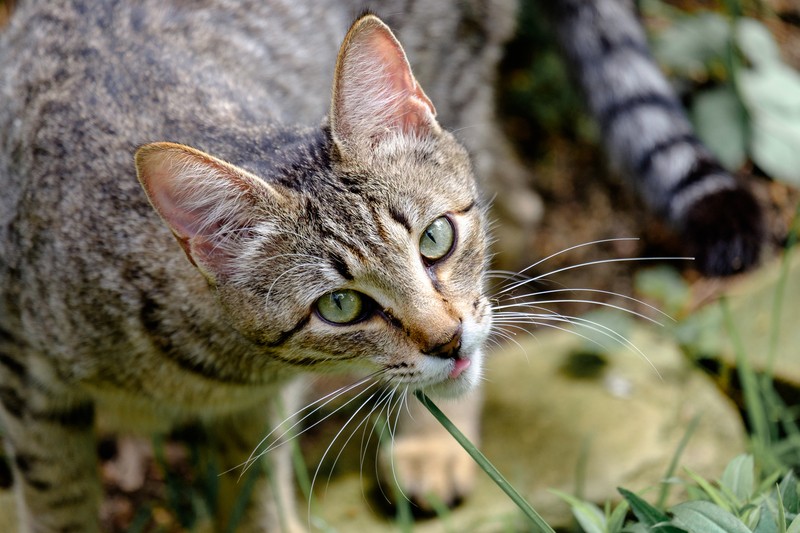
point(374, 257)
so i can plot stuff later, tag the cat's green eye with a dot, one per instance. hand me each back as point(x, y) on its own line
point(341, 307)
point(437, 239)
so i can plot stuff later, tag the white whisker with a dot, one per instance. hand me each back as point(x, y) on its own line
point(510, 336)
point(320, 403)
point(535, 319)
point(578, 300)
point(598, 291)
point(518, 284)
point(335, 438)
point(565, 250)
point(392, 436)
point(364, 422)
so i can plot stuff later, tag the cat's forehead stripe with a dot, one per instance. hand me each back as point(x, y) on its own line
point(400, 218)
point(341, 266)
point(467, 209)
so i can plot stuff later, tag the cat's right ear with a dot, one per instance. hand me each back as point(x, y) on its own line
point(375, 94)
point(207, 203)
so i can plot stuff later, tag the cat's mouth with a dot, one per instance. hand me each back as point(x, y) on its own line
point(459, 375)
point(459, 365)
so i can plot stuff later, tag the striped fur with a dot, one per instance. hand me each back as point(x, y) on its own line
point(102, 314)
point(649, 139)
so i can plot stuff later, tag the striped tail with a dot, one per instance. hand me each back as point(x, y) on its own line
point(650, 140)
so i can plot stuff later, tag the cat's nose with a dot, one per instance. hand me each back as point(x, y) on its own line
point(448, 349)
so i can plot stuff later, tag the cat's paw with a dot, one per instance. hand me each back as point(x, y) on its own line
point(431, 469)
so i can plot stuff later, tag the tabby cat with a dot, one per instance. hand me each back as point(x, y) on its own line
point(260, 241)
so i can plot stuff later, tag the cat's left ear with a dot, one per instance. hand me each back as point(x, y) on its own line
point(375, 94)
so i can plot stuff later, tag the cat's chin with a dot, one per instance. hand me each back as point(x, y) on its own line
point(447, 390)
point(453, 387)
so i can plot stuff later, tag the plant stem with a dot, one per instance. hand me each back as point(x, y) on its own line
point(780, 289)
point(484, 463)
point(673, 465)
point(756, 413)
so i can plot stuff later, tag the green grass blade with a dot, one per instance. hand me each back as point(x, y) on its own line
point(715, 495)
point(404, 518)
point(756, 412)
point(780, 289)
point(484, 463)
point(673, 465)
point(646, 513)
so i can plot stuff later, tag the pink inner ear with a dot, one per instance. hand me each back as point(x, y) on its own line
point(165, 192)
point(191, 191)
point(414, 110)
point(376, 92)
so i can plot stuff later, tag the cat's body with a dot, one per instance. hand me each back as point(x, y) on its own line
point(101, 314)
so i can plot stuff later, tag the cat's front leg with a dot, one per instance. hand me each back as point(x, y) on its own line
point(265, 489)
point(426, 460)
point(51, 446)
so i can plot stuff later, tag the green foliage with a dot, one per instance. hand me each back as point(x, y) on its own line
point(666, 286)
point(705, 517)
point(591, 518)
point(698, 334)
point(538, 97)
point(649, 518)
point(758, 492)
point(719, 120)
point(749, 103)
point(735, 504)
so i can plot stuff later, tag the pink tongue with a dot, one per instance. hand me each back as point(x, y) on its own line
point(459, 367)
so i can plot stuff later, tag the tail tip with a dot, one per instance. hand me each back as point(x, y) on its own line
point(725, 232)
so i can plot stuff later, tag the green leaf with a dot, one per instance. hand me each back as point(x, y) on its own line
point(588, 515)
point(616, 519)
point(666, 286)
point(767, 522)
point(756, 42)
point(716, 496)
point(771, 88)
point(771, 94)
point(703, 335)
point(667, 528)
point(646, 513)
point(775, 147)
point(719, 118)
point(788, 490)
point(794, 527)
point(705, 517)
point(739, 477)
point(690, 45)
